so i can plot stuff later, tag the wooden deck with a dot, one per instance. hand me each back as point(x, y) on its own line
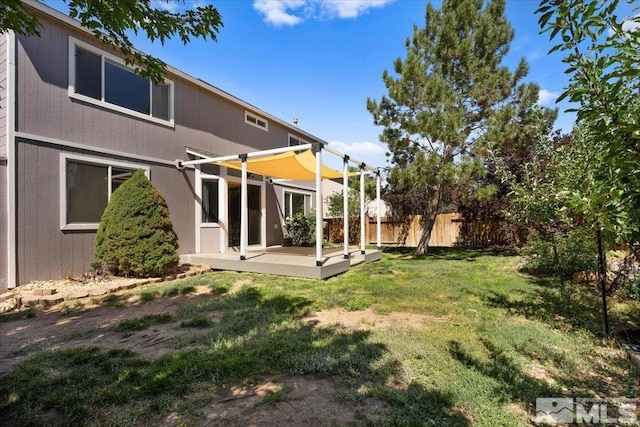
point(286, 261)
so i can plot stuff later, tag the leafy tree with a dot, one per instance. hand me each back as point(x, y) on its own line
point(136, 236)
point(111, 20)
point(486, 199)
point(601, 59)
point(335, 202)
point(450, 92)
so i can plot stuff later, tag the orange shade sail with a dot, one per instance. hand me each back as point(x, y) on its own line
point(289, 165)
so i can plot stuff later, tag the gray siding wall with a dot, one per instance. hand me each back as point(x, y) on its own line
point(3, 94)
point(44, 251)
point(202, 120)
point(3, 225)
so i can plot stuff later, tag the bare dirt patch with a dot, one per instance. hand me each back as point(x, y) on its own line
point(280, 401)
point(369, 320)
point(56, 329)
point(289, 402)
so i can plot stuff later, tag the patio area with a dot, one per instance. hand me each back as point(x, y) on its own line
point(291, 261)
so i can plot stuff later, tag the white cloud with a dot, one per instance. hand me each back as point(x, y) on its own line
point(293, 12)
point(547, 97)
point(628, 25)
point(170, 5)
point(276, 11)
point(350, 8)
point(631, 24)
point(358, 148)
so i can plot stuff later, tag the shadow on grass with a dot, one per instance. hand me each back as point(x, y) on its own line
point(512, 385)
point(554, 303)
point(444, 253)
point(257, 337)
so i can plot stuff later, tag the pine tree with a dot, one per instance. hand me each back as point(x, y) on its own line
point(451, 90)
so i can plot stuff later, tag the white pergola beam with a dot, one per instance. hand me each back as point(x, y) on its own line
point(362, 224)
point(345, 207)
point(319, 206)
point(244, 212)
point(252, 155)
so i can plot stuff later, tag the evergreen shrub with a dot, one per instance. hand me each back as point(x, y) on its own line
point(136, 236)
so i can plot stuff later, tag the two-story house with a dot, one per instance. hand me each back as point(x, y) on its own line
point(75, 122)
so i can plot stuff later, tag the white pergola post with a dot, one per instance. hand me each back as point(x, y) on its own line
point(378, 211)
point(317, 149)
point(345, 210)
point(243, 210)
point(362, 224)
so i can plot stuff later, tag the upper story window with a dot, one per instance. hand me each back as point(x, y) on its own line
point(294, 140)
point(103, 79)
point(256, 121)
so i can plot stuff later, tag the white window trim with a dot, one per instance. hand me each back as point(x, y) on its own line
point(206, 177)
point(73, 43)
point(248, 114)
point(302, 141)
point(64, 226)
point(302, 192)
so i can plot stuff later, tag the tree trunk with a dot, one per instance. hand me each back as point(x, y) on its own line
point(602, 280)
point(428, 219)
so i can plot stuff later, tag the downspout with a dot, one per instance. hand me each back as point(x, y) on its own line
point(11, 160)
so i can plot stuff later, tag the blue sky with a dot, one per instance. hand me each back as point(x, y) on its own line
point(319, 60)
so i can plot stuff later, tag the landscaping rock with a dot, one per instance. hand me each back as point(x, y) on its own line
point(44, 291)
point(30, 300)
point(6, 296)
point(113, 288)
point(129, 285)
point(78, 295)
point(96, 292)
point(48, 300)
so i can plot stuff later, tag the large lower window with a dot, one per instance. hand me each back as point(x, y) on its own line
point(209, 201)
point(101, 78)
point(295, 203)
point(87, 188)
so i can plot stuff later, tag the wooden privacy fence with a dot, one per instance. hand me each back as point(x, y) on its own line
point(447, 231)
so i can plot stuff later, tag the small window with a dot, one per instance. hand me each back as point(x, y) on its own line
point(88, 186)
point(255, 121)
point(295, 203)
point(294, 140)
point(209, 201)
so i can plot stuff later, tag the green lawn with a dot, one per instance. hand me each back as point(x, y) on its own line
point(498, 340)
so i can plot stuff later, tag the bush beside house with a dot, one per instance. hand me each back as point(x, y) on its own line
point(136, 236)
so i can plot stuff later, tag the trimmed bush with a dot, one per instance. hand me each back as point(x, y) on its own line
point(136, 236)
point(302, 229)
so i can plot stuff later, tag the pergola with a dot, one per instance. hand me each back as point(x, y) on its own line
point(300, 162)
